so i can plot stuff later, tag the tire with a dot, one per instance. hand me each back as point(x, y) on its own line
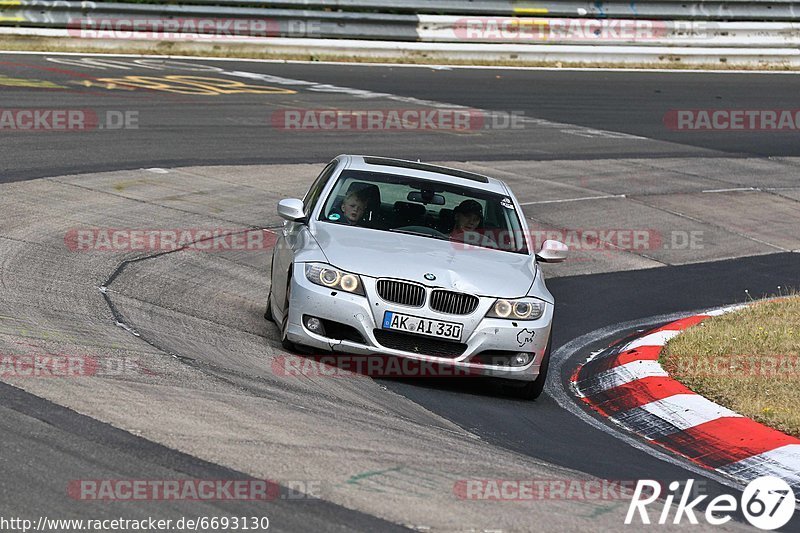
point(285, 342)
point(288, 345)
point(268, 312)
point(532, 390)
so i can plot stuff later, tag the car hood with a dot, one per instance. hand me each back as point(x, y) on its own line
point(379, 254)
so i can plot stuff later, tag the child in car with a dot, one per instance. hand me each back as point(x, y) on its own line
point(352, 209)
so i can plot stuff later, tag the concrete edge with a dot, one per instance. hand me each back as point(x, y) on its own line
point(715, 58)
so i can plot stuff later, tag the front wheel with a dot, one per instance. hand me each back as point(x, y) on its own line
point(285, 342)
point(268, 312)
point(533, 389)
point(288, 345)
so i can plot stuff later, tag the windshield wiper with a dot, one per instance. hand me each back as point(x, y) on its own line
point(419, 233)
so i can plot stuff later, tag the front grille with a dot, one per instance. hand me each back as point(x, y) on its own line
point(400, 292)
point(453, 303)
point(418, 344)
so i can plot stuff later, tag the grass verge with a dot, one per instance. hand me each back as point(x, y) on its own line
point(748, 361)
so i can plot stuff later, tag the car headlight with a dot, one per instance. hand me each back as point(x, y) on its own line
point(333, 278)
point(522, 309)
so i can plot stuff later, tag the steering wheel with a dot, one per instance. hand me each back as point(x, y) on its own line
point(424, 229)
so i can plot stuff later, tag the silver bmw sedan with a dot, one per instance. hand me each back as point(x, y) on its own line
point(417, 261)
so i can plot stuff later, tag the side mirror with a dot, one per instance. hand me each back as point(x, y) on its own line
point(291, 209)
point(552, 252)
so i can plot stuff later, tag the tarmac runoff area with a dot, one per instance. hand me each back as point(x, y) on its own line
point(196, 355)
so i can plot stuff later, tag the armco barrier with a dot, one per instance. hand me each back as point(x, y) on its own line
point(441, 52)
point(403, 27)
point(763, 10)
point(734, 32)
point(639, 32)
point(317, 24)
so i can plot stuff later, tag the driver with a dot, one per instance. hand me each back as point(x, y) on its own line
point(468, 222)
point(468, 215)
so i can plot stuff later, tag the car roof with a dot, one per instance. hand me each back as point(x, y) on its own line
point(425, 171)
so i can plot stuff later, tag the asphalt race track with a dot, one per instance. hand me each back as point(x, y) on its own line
point(176, 130)
point(199, 143)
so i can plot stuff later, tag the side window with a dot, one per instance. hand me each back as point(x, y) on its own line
point(313, 193)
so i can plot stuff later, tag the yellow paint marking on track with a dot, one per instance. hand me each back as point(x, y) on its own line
point(10, 3)
point(104, 85)
point(13, 19)
point(5, 81)
point(531, 11)
point(192, 85)
point(524, 7)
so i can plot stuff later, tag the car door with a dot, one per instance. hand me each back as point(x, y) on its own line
point(289, 241)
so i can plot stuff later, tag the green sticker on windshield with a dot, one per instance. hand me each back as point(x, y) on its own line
point(334, 216)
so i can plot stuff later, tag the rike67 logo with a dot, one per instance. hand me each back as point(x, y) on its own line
point(767, 503)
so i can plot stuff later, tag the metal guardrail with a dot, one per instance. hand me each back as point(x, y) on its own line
point(735, 24)
point(763, 10)
point(620, 32)
point(730, 10)
point(446, 52)
point(302, 23)
point(283, 22)
point(666, 9)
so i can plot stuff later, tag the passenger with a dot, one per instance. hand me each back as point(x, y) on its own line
point(352, 210)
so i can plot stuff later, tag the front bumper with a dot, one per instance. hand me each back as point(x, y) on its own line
point(484, 337)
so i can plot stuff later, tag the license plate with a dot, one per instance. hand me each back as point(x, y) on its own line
point(422, 326)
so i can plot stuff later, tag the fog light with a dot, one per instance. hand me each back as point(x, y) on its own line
point(521, 359)
point(314, 324)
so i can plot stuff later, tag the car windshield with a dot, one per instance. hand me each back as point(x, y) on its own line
point(432, 209)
